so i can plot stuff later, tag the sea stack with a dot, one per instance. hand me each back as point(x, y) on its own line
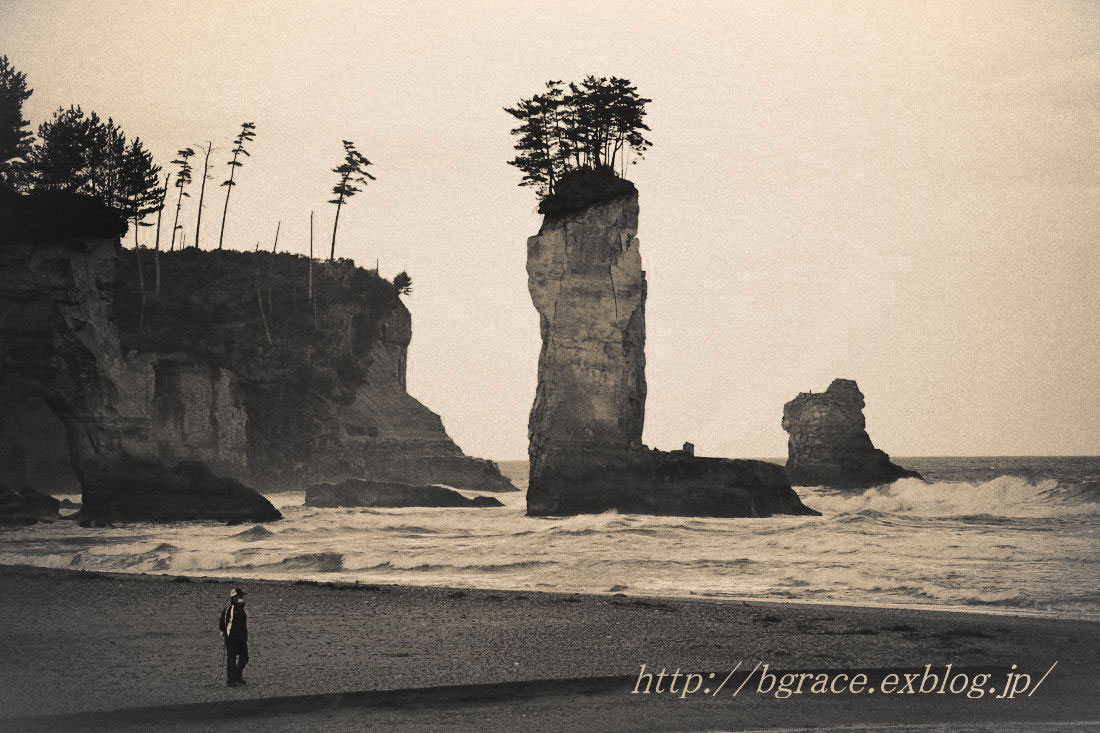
point(829, 445)
point(586, 281)
point(586, 454)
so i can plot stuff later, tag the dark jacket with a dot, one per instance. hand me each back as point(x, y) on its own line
point(234, 624)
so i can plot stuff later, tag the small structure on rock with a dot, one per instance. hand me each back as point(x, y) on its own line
point(829, 445)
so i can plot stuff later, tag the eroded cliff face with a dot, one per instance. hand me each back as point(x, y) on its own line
point(585, 276)
point(829, 445)
point(229, 377)
point(256, 381)
point(586, 454)
point(59, 345)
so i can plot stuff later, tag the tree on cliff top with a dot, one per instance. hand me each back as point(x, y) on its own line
point(591, 126)
point(81, 153)
point(245, 135)
point(15, 135)
point(403, 284)
point(202, 189)
point(183, 177)
point(353, 174)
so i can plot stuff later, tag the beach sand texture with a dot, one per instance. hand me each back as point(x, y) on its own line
point(74, 642)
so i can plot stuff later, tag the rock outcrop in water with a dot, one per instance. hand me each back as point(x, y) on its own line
point(26, 506)
point(230, 367)
point(360, 493)
point(829, 445)
point(586, 454)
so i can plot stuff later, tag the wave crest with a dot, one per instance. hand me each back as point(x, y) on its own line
point(1004, 496)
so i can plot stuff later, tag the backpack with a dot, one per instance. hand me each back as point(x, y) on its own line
point(221, 621)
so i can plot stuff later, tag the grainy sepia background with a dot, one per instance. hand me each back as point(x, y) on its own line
point(900, 193)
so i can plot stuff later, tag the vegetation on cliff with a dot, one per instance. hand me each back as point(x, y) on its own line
point(55, 215)
point(15, 134)
point(571, 139)
point(78, 152)
point(251, 313)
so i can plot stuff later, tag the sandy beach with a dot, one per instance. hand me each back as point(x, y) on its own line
point(77, 642)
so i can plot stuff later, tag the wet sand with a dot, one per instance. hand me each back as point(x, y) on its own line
point(73, 642)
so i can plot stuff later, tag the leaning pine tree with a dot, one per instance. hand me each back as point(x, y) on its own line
point(183, 177)
point(245, 135)
point(353, 174)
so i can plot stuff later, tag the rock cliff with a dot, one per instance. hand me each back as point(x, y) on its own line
point(586, 454)
point(268, 387)
point(829, 445)
point(59, 346)
point(230, 367)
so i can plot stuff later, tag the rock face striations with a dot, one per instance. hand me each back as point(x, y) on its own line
point(586, 454)
point(171, 404)
point(586, 281)
point(829, 445)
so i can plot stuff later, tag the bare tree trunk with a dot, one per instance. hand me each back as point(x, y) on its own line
point(141, 275)
point(332, 250)
point(176, 221)
point(312, 300)
point(202, 190)
point(271, 266)
point(260, 302)
point(156, 249)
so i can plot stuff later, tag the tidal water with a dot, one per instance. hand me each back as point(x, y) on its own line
point(1016, 535)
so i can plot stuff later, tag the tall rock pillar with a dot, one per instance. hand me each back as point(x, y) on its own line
point(585, 277)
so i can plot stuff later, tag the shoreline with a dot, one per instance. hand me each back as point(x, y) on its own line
point(101, 641)
point(975, 610)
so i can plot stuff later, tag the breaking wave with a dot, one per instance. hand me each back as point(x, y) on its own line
point(994, 535)
point(1006, 496)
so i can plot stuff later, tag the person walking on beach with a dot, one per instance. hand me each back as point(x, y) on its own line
point(234, 628)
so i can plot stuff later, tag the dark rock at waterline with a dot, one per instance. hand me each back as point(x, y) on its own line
point(588, 481)
point(363, 493)
point(256, 533)
point(829, 445)
point(26, 506)
point(486, 501)
point(135, 491)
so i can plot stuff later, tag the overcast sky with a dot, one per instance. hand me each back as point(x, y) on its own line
point(902, 193)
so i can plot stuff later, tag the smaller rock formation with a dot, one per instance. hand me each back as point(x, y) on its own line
point(131, 490)
point(26, 506)
point(363, 493)
point(829, 445)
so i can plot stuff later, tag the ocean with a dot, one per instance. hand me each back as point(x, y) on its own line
point(999, 535)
